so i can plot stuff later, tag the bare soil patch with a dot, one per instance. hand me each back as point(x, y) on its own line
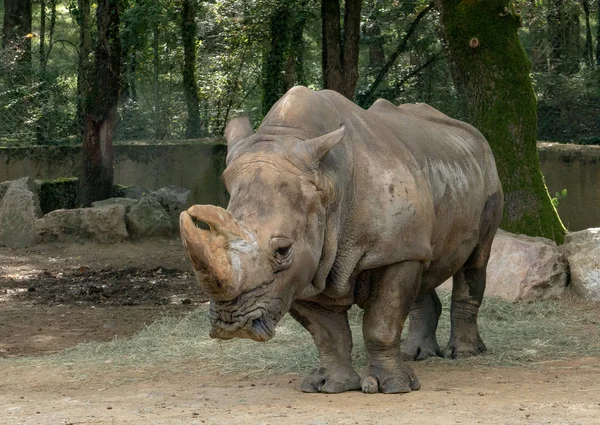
point(550, 393)
point(56, 296)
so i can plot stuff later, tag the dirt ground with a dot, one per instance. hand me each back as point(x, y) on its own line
point(55, 296)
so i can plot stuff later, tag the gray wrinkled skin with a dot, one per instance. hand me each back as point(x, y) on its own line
point(331, 206)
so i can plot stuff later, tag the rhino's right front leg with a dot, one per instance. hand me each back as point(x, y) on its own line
point(393, 291)
point(331, 332)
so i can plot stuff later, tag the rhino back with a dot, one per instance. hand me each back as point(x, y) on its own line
point(418, 180)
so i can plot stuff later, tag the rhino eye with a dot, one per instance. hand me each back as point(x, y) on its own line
point(282, 251)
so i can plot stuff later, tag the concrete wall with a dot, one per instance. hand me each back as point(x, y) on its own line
point(199, 166)
point(194, 166)
point(577, 169)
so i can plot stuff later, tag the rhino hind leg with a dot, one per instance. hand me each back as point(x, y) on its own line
point(468, 286)
point(467, 292)
point(423, 321)
point(393, 291)
point(331, 332)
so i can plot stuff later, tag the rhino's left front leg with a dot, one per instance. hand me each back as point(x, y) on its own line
point(331, 332)
point(393, 291)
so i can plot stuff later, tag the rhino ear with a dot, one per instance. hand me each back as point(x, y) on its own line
point(311, 151)
point(238, 128)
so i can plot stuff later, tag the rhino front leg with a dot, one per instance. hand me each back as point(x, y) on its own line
point(331, 333)
point(393, 291)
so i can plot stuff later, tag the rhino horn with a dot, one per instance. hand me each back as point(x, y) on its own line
point(211, 252)
point(311, 151)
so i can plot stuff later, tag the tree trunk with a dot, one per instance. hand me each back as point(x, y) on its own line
point(83, 65)
point(297, 45)
point(563, 30)
point(340, 53)
point(100, 108)
point(493, 72)
point(158, 131)
point(42, 125)
point(376, 52)
point(16, 57)
point(189, 31)
point(17, 24)
point(42, 46)
point(274, 83)
point(598, 35)
point(588, 51)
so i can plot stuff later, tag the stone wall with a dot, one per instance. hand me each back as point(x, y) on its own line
point(577, 169)
point(198, 166)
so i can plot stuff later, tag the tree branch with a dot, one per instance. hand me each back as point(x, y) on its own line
point(438, 56)
point(367, 96)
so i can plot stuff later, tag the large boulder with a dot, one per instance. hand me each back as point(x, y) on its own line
point(148, 218)
point(126, 202)
point(102, 224)
point(524, 268)
point(19, 209)
point(174, 200)
point(583, 253)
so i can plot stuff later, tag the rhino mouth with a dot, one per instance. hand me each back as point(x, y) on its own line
point(241, 319)
point(261, 329)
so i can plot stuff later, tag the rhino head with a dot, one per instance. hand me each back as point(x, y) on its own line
point(260, 254)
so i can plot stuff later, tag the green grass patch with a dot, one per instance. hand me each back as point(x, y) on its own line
point(515, 334)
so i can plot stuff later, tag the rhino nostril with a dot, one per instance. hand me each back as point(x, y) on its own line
point(200, 224)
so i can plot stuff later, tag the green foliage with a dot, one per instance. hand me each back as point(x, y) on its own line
point(232, 72)
point(558, 196)
point(58, 194)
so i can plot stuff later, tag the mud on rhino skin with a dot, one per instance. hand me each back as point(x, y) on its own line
point(333, 205)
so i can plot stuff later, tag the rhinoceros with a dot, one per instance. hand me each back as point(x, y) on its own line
point(332, 205)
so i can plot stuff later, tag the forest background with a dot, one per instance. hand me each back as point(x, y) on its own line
point(188, 66)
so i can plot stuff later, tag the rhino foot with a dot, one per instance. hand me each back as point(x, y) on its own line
point(413, 349)
point(331, 380)
point(461, 349)
point(403, 380)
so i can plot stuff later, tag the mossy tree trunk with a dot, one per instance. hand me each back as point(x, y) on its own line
point(100, 108)
point(492, 70)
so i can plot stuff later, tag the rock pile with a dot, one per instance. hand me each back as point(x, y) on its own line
point(142, 213)
point(583, 253)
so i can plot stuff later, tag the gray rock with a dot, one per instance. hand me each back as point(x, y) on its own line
point(148, 218)
point(524, 268)
point(126, 202)
point(4, 188)
point(26, 183)
point(583, 254)
point(19, 209)
point(174, 200)
point(101, 224)
point(134, 192)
